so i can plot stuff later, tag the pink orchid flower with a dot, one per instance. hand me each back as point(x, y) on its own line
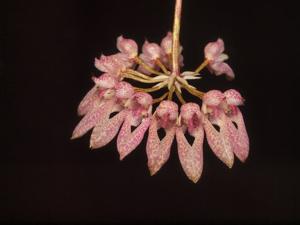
point(241, 142)
point(95, 96)
point(219, 141)
point(107, 128)
point(127, 46)
point(114, 106)
point(158, 151)
point(150, 52)
point(94, 103)
point(113, 64)
point(191, 157)
point(213, 52)
point(138, 115)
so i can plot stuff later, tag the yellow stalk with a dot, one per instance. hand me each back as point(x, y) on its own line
point(146, 67)
point(202, 66)
point(157, 100)
point(162, 66)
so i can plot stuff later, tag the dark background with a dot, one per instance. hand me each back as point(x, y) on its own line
point(47, 53)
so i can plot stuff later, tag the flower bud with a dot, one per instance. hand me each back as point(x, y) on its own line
point(127, 46)
point(166, 43)
point(151, 50)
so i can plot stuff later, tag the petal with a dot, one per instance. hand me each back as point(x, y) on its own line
point(148, 61)
point(166, 44)
point(214, 49)
point(222, 57)
point(89, 101)
point(107, 130)
point(105, 81)
point(124, 90)
point(106, 64)
point(112, 64)
point(127, 46)
point(92, 119)
point(181, 60)
point(151, 50)
point(123, 60)
point(127, 141)
point(213, 98)
point(233, 97)
point(158, 151)
point(220, 142)
point(144, 99)
point(241, 146)
point(191, 157)
point(223, 68)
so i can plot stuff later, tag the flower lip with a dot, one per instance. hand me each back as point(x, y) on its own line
point(188, 110)
point(167, 109)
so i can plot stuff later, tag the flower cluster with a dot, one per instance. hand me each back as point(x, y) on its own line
point(113, 106)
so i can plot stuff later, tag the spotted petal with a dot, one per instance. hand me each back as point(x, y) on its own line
point(158, 151)
point(191, 157)
point(220, 68)
point(127, 141)
point(103, 133)
point(90, 100)
point(93, 118)
point(220, 141)
point(241, 142)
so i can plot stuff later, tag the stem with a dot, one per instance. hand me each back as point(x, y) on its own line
point(170, 94)
point(152, 89)
point(194, 92)
point(175, 41)
point(162, 66)
point(157, 100)
point(146, 67)
point(133, 77)
point(137, 74)
point(175, 48)
point(179, 96)
point(201, 67)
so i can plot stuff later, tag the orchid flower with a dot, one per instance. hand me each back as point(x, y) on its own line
point(214, 55)
point(191, 157)
point(138, 115)
point(115, 108)
point(97, 101)
point(158, 151)
point(108, 128)
point(219, 141)
point(241, 143)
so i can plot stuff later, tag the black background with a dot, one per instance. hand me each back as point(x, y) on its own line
point(47, 56)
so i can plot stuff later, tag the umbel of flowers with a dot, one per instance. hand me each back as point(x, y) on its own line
point(113, 106)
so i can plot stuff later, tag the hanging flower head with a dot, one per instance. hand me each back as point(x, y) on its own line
point(113, 106)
